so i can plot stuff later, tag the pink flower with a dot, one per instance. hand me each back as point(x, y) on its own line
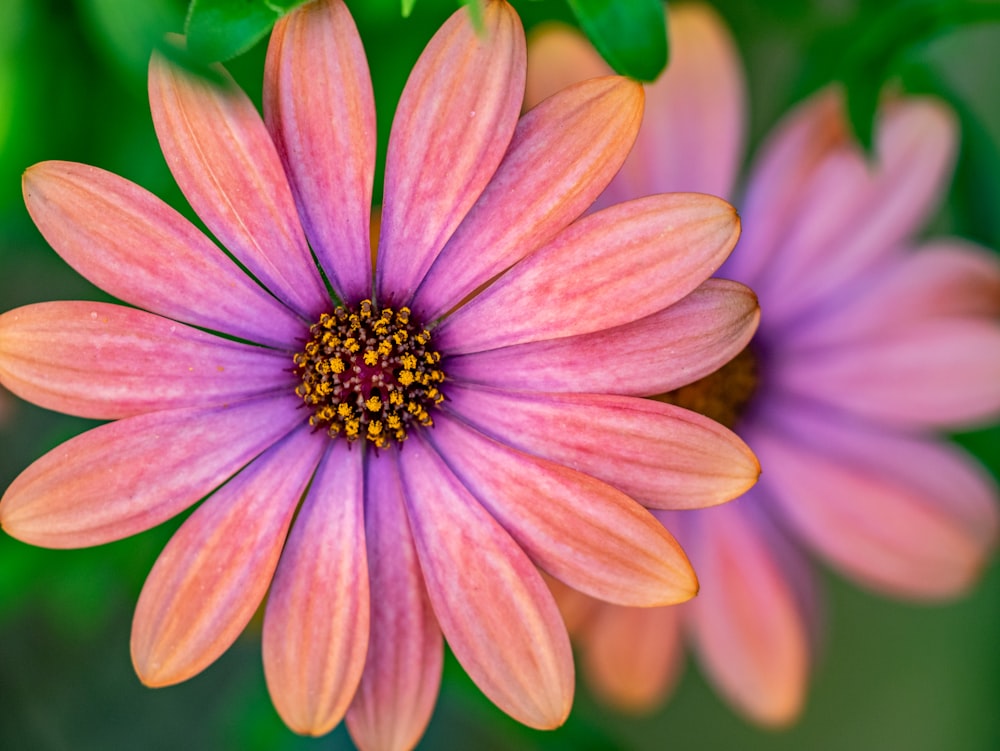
point(301, 395)
point(870, 341)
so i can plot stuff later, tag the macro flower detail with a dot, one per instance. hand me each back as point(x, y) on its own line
point(869, 342)
point(392, 463)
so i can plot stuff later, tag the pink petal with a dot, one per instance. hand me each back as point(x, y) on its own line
point(405, 650)
point(949, 277)
point(939, 373)
point(661, 455)
point(851, 214)
point(319, 107)
point(650, 252)
point(494, 609)
point(127, 476)
point(210, 579)
point(653, 355)
point(225, 163)
point(699, 99)
point(632, 658)
point(453, 123)
point(747, 625)
point(562, 155)
point(135, 247)
point(108, 361)
point(574, 527)
point(315, 634)
point(906, 516)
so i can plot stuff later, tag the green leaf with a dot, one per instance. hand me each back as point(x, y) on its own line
point(877, 53)
point(407, 7)
point(221, 29)
point(631, 35)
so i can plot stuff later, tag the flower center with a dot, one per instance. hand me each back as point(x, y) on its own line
point(722, 395)
point(369, 373)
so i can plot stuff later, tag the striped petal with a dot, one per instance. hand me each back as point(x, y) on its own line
point(562, 155)
point(660, 455)
point(632, 658)
point(452, 126)
point(108, 361)
point(608, 269)
point(316, 624)
point(224, 161)
point(909, 517)
point(942, 373)
point(402, 673)
point(849, 215)
point(747, 625)
point(210, 579)
point(653, 355)
point(494, 609)
point(943, 278)
point(122, 478)
point(576, 528)
point(319, 108)
point(134, 246)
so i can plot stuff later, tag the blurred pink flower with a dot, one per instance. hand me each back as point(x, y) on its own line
point(300, 394)
point(869, 342)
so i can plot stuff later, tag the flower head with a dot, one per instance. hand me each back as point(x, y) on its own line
point(869, 342)
point(424, 422)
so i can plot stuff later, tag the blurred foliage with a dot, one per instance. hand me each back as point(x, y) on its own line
point(72, 86)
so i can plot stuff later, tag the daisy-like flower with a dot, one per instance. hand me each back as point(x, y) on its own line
point(264, 389)
point(869, 342)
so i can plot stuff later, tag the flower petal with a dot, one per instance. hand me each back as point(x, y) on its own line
point(494, 609)
point(225, 163)
point(653, 355)
point(949, 277)
point(608, 269)
point(660, 455)
point(562, 155)
point(107, 361)
point(906, 516)
point(127, 476)
point(319, 107)
point(402, 673)
point(632, 658)
point(747, 625)
point(576, 528)
point(850, 215)
point(453, 123)
point(210, 579)
point(558, 57)
point(941, 373)
point(315, 633)
point(135, 247)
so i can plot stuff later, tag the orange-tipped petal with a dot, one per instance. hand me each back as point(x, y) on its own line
point(316, 623)
point(211, 577)
point(653, 355)
point(574, 527)
point(747, 624)
point(632, 658)
point(608, 269)
point(452, 126)
point(224, 161)
point(134, 246)
point(493, 606)
point(402, 673)
point(107, 361)
point(319, 107)
point(661, 455)
point(122, 478)
point(562, 155)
